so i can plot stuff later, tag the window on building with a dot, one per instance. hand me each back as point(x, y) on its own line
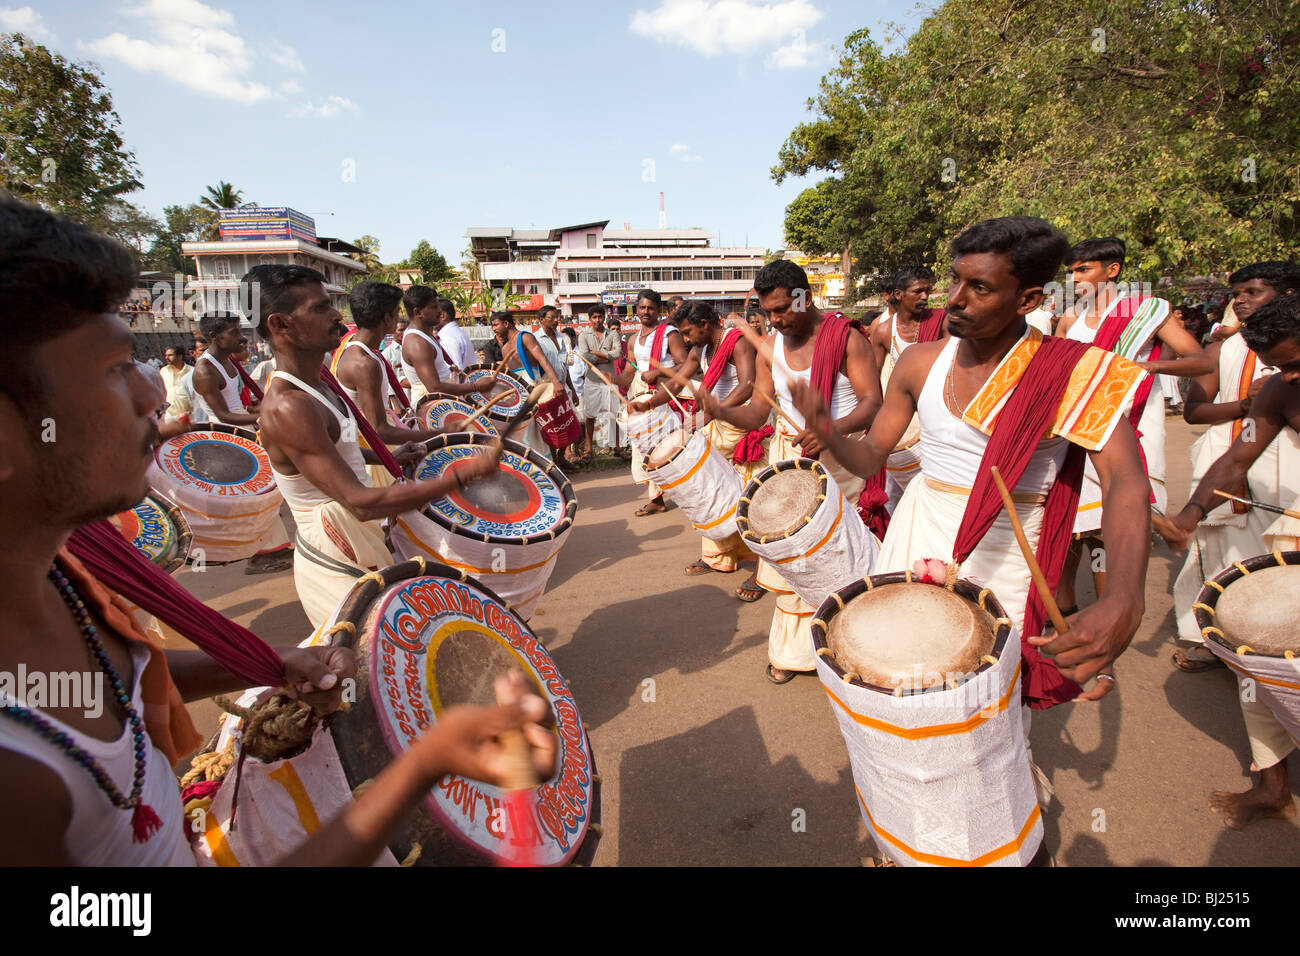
point(675, 275)
point(221, 267)
point(532, 289)
point(591, 240)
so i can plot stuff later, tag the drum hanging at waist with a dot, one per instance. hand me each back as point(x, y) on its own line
point(158, 529)
point(925, 684)
point(699, 480)
point(506, 530)
point(221, 480)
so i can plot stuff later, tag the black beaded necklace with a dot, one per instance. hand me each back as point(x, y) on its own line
point(144, 821)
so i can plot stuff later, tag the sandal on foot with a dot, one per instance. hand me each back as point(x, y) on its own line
point(1185, 660)
point(699, 567)
point(786, 677)
point(749, 592)
point(651, 509)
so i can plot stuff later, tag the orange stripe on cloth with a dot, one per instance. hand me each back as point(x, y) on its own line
point(687, 477)
point(240, 514)
point(714, 524)
point(288, 778)
point(217, 845)
point(816, 547)
point(984, 859)
point(1263, 680)
point(935, 730)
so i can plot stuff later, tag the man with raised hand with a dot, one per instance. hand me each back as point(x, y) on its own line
point(428, 365)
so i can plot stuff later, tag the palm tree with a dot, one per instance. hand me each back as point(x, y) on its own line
point(369, 256)
point(221, 196)
point(470, 265)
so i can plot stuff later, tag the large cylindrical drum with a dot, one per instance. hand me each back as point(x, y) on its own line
point(447, 413)
point(426, 637)
point(1247, 614)
point(793, 516)
point(925, 684)
point(221, 479)
point(505, 529)
point(158, 529)
point(699, 480)
point(507, 408)
point(645, 430)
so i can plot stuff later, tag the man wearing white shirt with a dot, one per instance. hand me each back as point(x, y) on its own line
point(453, 337)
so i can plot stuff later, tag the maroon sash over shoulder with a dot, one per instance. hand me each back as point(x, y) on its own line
point(721, 358)
point(366, 429)
point(1027, 416)
point(930, 328)
point(828, 356)
point(1107, 338)
point(249, 384)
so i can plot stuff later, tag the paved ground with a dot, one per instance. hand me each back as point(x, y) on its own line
point(704, 762)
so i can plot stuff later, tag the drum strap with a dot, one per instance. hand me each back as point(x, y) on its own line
point(322, 559)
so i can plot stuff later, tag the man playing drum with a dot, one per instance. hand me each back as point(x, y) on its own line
point(217, 383)
point(76, 367)
point(727, 360)
point(311, 438)
point(826, 350)
point(993, 381)
point(531, 365)
point(654, 347)
point(1273, 332)
point(364, 373)
point(428, 366)
point(1222, 400)
point(912, 322)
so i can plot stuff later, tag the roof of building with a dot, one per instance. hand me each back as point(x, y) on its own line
point(254, 246)
point(516, 270)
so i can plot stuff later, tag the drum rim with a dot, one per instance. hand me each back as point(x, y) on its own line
point(238, 430)
point(495, 410)
point(438, 396)
point(476, 438)
point(184, 536)
point(767, 474)
point(353, 610)
point(1208, 599)
point(694, 431)
point(982, 597)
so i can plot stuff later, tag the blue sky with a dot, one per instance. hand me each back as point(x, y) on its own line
point(411, 121)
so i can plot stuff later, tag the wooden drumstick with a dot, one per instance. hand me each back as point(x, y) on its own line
point(534, 397)
point(483, 409)
point(606, 379)
point(777, 408)
point(1275, 509)
point(1162, 524)
point(1035, 571)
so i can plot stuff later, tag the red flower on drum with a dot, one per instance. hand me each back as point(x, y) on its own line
point(930, 571)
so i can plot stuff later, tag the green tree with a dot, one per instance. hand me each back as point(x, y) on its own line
point(215, 198)
point(1169, 124)
point(59, 140)
point(429, 261)
point(180, 224)
point(369, 255)
point(469, 265)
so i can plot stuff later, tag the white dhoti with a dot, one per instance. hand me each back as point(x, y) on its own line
point(789, 640)
point(725, 554)
point(639, 473)
point(901, 467)
point(334, 549)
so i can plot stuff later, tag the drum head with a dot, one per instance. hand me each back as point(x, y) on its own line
point(220, 460)
point(507, 408)
point(1259, 609)
point(429, 638)
point(782, 499)
point(528, 499)
point(877, 636)
point(158, 530)
point(667, 449)
point(445, 413)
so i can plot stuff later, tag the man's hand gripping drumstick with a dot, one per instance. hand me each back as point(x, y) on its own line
point(1105, 680)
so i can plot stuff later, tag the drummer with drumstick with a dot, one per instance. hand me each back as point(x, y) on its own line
point(1273, 332)
point(311, 438)
point(424, 355)
point(68, 797)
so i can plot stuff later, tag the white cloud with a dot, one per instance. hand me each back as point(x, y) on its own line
point(286, 56)
point(679, 148)
point(26, 21)
point(290, 87)
point(194, 45)
point(798, 53)
point(332, 107)
point(725, 26)
point(683, 152)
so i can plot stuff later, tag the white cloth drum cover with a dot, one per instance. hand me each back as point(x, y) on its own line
point(645, 430)
point(426, 638)
point(505, 530)
point(942, 776)
point(699, 480)
point(221, 479)
point(793, 516)
point(1247, 615)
